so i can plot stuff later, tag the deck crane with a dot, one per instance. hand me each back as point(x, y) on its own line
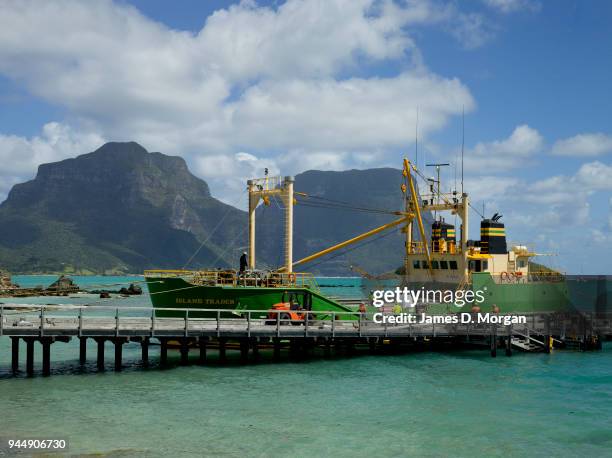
point(284, 188)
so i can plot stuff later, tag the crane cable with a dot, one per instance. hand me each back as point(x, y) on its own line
point(230, 208)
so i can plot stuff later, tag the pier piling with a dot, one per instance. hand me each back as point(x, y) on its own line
point(327, 348)
point(276, 343)
point(255, 346)
point(509, 341)
point(29, 356)
point(222, 352)
point(202, 341)
point(184, 351)
point(82, 350)
point(100, 358)
point(144, 347)
point(15, 354)
point(163, 352)
point(46, 354)
point(118, 353)
point(244, 351)
point(372, 345)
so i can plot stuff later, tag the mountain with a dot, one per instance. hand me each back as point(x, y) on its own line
point(123, 209)
point(117, 209)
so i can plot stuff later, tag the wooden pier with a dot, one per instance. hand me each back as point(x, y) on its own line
point(246, 332)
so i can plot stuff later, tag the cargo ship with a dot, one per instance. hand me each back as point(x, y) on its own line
point(505, 276)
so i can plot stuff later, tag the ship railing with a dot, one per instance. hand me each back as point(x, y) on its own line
point(233, 278)
point(268, 183)
point(436, 247)
point(417, 248)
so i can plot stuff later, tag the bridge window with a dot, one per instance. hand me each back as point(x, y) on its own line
point(444, 265)
point(424, 265)
point(434, 265)
point(453, 265)
point(485, 265)
point(522, 263)
point(416, 264)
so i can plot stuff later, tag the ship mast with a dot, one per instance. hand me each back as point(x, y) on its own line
point(264, 188)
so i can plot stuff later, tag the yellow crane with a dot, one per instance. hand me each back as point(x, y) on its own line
point(412, 211)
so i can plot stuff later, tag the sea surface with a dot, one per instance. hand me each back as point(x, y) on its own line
point(463, 403)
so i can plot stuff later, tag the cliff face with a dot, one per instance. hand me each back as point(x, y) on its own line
point(119, 208)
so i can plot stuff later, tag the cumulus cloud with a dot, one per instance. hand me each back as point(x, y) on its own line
point(509, 153)
point(587, 144)
point(512, 6)
point(261, 80)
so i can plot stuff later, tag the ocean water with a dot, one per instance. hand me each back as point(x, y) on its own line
point(423, 404)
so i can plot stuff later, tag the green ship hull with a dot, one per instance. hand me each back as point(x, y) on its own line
point(176, 292)
point(550, 296)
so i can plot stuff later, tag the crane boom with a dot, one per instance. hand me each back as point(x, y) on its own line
point(406, 218)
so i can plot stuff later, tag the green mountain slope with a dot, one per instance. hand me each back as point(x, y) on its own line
point(119, 208)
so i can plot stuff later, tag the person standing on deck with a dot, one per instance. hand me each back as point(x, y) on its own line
point(243, 262)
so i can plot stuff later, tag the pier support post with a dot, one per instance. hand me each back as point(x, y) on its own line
point(276, 349)
point(327, 348)
point(509, 341)
point(547, 341)
point(82, 350)
point(244, 351)
point(144, 347)
point(46, 356)
point(222, 352)
point(15, 354)
point(372, 344)
point(29, 356)
point(163, 352)
point(493, 344)
point(294, 349)
point(255, 346)
point(202, 342)
point(184, 351)
point(349, 347)
point(100, 358)
point(118, 353)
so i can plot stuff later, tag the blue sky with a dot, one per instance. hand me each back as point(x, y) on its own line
point(236, 87)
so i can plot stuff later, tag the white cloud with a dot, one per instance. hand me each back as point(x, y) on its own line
point(501, 155)
point(259, 80)
point(472, 30)
point(512, 6)
point(588, 144)
point(21, 156)
point(595, 176)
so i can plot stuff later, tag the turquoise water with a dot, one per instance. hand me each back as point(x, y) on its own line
point(423, 404)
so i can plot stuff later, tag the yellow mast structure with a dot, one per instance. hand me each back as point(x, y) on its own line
point(415, 205)
point(263, 189)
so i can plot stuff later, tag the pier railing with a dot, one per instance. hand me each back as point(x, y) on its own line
point(92, 321)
